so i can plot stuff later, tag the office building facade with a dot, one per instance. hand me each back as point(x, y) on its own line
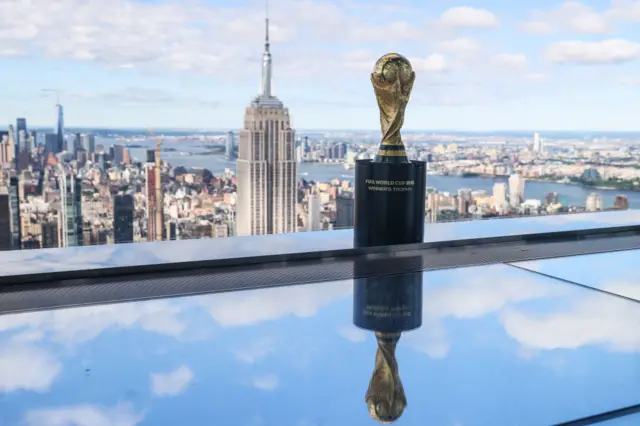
point(266, 168)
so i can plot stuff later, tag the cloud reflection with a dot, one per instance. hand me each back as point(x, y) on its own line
point(593, 319)
point(27, 367)
point(84, 415)
point(173, 383)
point(245, 308)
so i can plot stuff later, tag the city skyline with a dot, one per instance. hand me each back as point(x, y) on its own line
point(481, 65)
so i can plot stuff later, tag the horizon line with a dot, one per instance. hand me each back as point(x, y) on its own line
point(318, 130)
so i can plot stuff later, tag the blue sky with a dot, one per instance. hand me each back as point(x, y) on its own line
point(480, 64)
point(497, 345)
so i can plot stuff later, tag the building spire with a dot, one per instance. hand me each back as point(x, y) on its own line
point(265, 87)
point(266, 38)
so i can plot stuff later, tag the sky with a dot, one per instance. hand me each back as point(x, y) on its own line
point(531, 351)
point(480, 64)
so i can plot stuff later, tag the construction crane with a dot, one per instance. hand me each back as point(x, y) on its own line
point(159, 205)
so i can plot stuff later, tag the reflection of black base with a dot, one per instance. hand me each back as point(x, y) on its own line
point(388, 304)
point(389, 205)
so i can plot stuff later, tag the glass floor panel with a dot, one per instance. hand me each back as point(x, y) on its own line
point(497, 346)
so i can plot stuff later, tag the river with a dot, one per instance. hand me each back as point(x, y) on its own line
point(569, 194)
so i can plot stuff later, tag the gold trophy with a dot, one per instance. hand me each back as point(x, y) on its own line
point(392, 80)
point(390, 189)
point(385, 397)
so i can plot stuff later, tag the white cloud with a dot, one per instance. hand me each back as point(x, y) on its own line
point(537, 27)
point(570, 16)
point(84, 415)
point(461, 46)
point(471, 296)
point(577, 17)
point(26, 367)
point(511, 60)
point(630, 81)
point(601, 52)
point(592, 320)
point(254, 351)
point(353, 334)
point(624, 10)
point(401, 30)
point(76, 325)
point(536, 77)
point(173, 383)
point(266, 383)
point(468, 17)
point(435, 62)
point(248, 308)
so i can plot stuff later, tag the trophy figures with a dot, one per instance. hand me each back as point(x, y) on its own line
point(390, 190)
point(388, 306)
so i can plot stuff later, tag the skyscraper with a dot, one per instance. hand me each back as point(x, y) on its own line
point(118, 155)
point(21, 142)
point(60, 127)
point(622, 202)
point(500, 196)
point(14, 199)
point(50, 234)
point(313, 220)
point(229, 153)
point(594, 202)
point(6, 241)
point(71, 209)
point(345, 210)
point(266, 168)
point(123, 218)
point(89, 144)
point(516, 190)
point(153, 192)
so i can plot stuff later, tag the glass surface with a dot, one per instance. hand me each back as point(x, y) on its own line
point(632, 420)
point(496, 345)
point(615, 272)
point(119, 255)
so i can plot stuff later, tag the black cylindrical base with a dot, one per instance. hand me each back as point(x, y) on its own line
point(388, 304)
point(389, 203)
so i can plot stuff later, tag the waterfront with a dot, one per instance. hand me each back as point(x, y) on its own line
point(569, 194)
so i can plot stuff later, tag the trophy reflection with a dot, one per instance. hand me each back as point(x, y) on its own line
point(387, 306)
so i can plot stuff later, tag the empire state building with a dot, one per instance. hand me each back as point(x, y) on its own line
point(266, 168)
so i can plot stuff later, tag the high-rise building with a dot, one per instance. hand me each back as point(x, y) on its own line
point(14, 198)
point(51, 143)
point(50, 235)
point(537, 143)
point(229, 152)
point(6, 238)
point(313, 220)
point(118, 155)
point(433, 207)
point(594, 202)
point(153, 193)
point(7, 150)
point(71, 209)
point(500, 196)
point(151, 156)
point(551, 198)
point(516, 190)
point(21, 124)
point(89, 144)
point(345, 211)
point(622, 202)
point(266, 168)
point(123, 218)
point(60, 127)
